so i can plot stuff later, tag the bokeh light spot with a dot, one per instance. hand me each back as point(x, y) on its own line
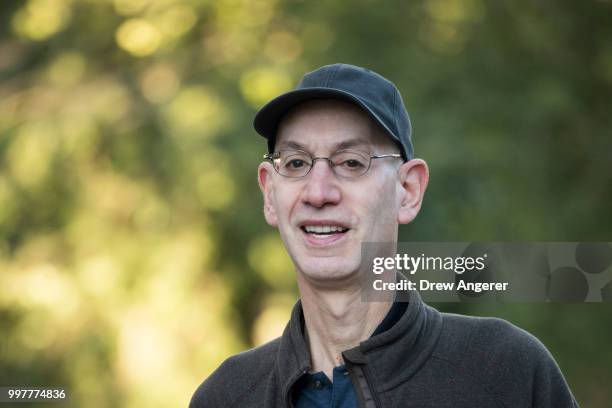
point(31, 152)
point(8, 204)
point(215, 189)
point(67, 69)
point(442, 36)
point(159, 83)
point(454, 11)
point(259, 85)
point(175, 21)
point(268, 257)
point(272, 320)
point(196, 110)
point(99, 275)
point(40, 19)
point(130, 7)
point(245, 13)
point(138, 37)
point(283, 47)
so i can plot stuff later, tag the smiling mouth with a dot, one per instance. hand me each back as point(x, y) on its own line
point(324, 230)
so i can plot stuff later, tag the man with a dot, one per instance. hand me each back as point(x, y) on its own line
point(340, 171)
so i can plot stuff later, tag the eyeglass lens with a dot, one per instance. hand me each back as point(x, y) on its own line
point(344, 163)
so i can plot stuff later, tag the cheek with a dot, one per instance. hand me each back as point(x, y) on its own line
point(284, 199)
point(383, 196)
point(377, 203)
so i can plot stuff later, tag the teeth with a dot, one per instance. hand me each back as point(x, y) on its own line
point(323, 229)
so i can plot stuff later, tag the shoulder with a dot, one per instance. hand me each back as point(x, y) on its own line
point(482, 341)
point(236, 376)
point(501, 357)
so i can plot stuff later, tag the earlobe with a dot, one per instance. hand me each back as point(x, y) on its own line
point(264, 179)
point(413, 179)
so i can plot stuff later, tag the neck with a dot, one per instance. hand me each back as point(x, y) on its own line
point(336, 320)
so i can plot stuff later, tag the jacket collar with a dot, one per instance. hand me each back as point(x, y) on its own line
point(293, 358)
point(392, 356)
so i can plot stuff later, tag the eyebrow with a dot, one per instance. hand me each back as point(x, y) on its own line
point(291, 145)
point(345, 144)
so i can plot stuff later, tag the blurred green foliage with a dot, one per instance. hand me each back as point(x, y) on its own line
point(133, 254)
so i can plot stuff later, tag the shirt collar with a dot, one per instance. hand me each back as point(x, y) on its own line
point(402, 342)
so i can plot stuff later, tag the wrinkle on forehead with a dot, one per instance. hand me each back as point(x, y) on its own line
point(357, 144)
point(346, 123)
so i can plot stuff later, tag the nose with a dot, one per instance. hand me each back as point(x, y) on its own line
point(321, 186)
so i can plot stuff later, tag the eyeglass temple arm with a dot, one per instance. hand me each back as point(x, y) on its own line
point(382, 156)
point(270, 156)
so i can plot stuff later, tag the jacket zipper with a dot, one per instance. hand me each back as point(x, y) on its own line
point(369, 384)
point(361, 382)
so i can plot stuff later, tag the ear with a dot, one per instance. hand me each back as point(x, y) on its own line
point(265, 174)
point(413, 179)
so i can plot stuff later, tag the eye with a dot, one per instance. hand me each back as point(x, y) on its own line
point(353, 164)
point(295, 164)
point(350, 163)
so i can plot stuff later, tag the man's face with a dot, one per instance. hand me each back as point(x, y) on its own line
point(324, 219)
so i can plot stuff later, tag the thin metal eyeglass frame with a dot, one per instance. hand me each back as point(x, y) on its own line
point(272, 156)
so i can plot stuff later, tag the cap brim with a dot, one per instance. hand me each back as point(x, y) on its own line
point(269, 116)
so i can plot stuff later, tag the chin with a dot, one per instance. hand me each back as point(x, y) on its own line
point(328, 269)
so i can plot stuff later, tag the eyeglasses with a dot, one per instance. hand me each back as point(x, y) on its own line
point(345, 164)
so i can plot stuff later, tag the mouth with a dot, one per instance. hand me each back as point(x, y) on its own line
point(323, 233)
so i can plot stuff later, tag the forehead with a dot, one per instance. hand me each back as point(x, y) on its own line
point(329, 124)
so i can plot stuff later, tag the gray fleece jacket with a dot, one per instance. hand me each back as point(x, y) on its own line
point(427, 359)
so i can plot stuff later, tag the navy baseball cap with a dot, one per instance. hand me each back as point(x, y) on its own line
point(376, 95)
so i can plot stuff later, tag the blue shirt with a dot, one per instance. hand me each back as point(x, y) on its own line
point(317, 391)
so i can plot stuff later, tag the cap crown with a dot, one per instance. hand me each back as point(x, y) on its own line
point(378, 96)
